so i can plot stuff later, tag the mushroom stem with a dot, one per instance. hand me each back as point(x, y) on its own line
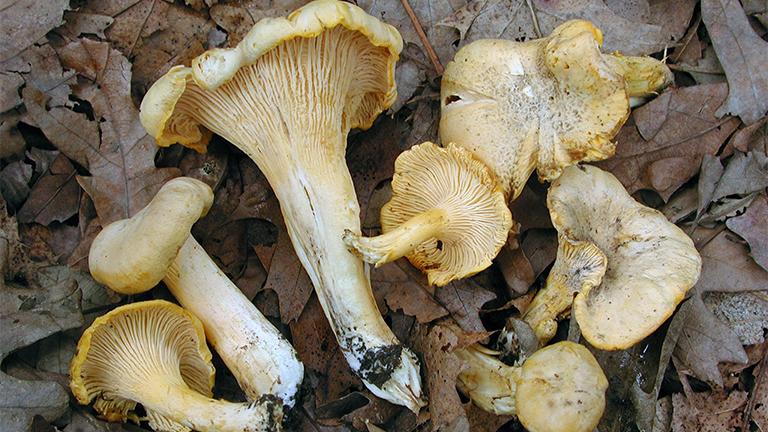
point(401, 240)
point(251, 347)
point(315, 220)
point(580, 265)
point(644, 76)
point(172, 399)
point(490, 384)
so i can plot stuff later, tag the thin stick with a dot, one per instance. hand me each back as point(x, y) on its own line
point(534, 19)
point(423, 36)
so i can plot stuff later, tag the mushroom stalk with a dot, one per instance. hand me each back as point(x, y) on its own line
point(174, 400)
point(316, 220)
point(580, 265)
point(400, 241)
point(490, 384)
point(252, 348)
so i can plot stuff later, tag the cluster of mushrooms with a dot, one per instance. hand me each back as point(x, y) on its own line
point(287, 96)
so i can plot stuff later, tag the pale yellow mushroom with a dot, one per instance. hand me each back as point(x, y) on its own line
point(153, 353)
point(132, 255)
point(560, 388)
point(623, 265)
point(447, 215)
point(287, 96)
point(543, 104)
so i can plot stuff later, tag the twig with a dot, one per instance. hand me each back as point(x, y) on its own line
point(534, 19)
point(688, 68)
point(761, 378)
point(423, 36)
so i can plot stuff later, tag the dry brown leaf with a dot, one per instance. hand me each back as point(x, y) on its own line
point(123, 174)
point(727, 267)
point(436, 344)
point(14, 183)
point(661, 147)
point(743, 55)
point(54, 197)
point(9, 86)
point(79, 23)
point(40, 67)
point(316, 345)
point(516, 269)
point(463, 299)
point(751, 138)
point(751, 226)
point(237, 17)
point(708, 412)
point(402, 292)
point(745, 313)
point(11, 142)
point(26, 21)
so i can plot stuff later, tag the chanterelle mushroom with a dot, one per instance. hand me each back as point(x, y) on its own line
point(626, 264)
point(154, 353)
point(560, 388)
point(542, 104)
point(447, 215)
point(133, 255)
point(287, 95)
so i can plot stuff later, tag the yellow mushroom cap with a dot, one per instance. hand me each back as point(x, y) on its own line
point(124, 352)
point(476, 218)
point(223, 86)
point(153, 236)
point(561, 388)
point(542, 104)
point(651, 263)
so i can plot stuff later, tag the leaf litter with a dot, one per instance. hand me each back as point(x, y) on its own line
point(74, 157)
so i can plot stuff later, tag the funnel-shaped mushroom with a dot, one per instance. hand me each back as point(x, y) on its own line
point(287, 96)
point(133, 255)
point(560, 388)
point(626, 264)
point(447, 215)
point(154, 353)
point(542, 104)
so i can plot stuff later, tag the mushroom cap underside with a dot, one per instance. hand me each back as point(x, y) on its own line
point(124, 350)
point(478, 222)
point(651, 263)
point(224, 71)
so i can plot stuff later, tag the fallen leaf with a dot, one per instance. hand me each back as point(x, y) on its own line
point(402, 292)
point(727, 267)
point(662, 145)
point(516, 270)
point(436, 345)
point(745, 313)
point(123, 174)
point(11, 142)
point(744, 174)
point(26, 21)
point(712, 411)
point(79, 23)
point(84, 422)
point(463, 299)
point(40, 67)
point(751, 227)
point(743, 55)
point(54, 197)
point(49, 305)
point(237, 18)
point(9, 86)
point(14, 183)
point(751, 138)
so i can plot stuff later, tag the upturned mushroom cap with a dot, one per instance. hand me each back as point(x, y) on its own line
point(474, 219)
point(153, 353)
point(561, 388)
point(184, 105)
point(124, 350)
point(164, 224)
point(651, 263)
point(543, 104)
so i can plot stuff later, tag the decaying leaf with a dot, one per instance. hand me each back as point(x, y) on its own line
point(713, 411)
point(743, 55)
point(745, 313)
point(751, 226)
point(26, 21)
point(55, 196)
point(663, 143)
point(236, 18)
point(27, 314)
